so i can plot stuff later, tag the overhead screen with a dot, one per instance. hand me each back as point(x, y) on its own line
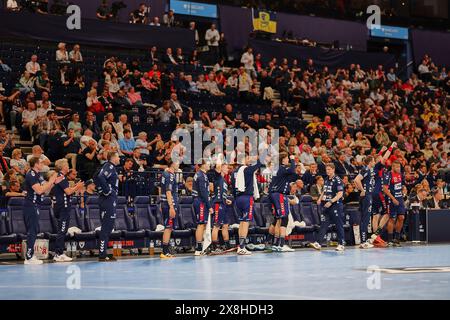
point(194, 8)
point(390, 32)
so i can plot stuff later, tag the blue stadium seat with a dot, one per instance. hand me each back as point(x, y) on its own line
point(124, 222)
point(305, 211)
point(16, 223)
point(47, 222)
point(186, 218)
point(94, 219)
point(143, 219)
point(5, 237)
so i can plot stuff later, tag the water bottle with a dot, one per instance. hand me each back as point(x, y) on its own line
point(151, 250)
point(119, 249)
point(114, 249)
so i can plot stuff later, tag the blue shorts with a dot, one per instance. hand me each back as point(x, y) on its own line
point(394, 210)
point(280, 204)
point(201, 211)
point(378, 204)
point(168, 221)
point(220, 214)
point(244, 206)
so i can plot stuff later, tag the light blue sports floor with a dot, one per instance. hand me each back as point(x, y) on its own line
point(304, 274)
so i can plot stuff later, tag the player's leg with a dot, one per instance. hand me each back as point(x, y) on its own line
point(31, 218)
point(200, 210)
point(168, 224)
point(63, 224)
point(245, 206)
point(399, 223)
point(366, 212)
point(108, 209)
point(337, 217)
point(216, 228)
point(323, 229)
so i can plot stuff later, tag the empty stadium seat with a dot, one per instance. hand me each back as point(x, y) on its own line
point(124, 222)
point(143, 219)
point(16, 223)
point(186, 218)
point(47, 222)
point(5, 237)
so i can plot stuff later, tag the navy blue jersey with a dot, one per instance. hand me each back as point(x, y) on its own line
point(395, 183)
point(369, 176)
point(380, 171)
point(331, 188)
point(107, 180)
point(248, 177)
point(281, 180)
point(169, 183)
point(62, 200)
point(200, 188)
point(220, 189)
point(31, 178)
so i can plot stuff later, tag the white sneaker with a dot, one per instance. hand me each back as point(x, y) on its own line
point(33, 260)
point(315, 245)
point(260, 246)
point(340, 248)
point(243, 252)
point(199, 253)
point(366, 245)
point(286, 248)
point(62, 258)
point(250, 246)
point(276, 248)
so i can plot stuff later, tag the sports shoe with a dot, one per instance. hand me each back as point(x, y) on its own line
point(62, 258)
point(340, 248)
point(396, 243)
point(33, 260)
point(217, 251)
point(250, 246)
point(300, 224)
point(366, 245)
point(243, 252)
point(199, 253)
point(276, 248)
point(107, 259)
point(378, 242)
point(315, 245)
point(286, 248)
point(166, 256)
point(260, 247)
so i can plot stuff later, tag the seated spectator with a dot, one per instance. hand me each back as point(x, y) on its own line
point(134, 97)
point(113, 86)
point(62, 56)
point(121, 125)
point(75, 125)
point(92, 102)
point(7, 144)
point(75, 55)
point(37, 152)
point(146, 81)
point(19, 164)
point(108, 137)
point(29, 117)
point(142, 144)
point(89, 161)
point(169, 19)
point(126, 171)
point(104, 12)
point(64, 76)
point(168, 57)
point(72, 147)
point(188, 186)
point(317, 188)
point(14, 190)
point(106, 100)
point(26, 83)
point(86, 138)
point(33, 67)
point(49, 128)
point(127, 144)
point(164, 113)
point(155, 22)
point(138, 163)
point(91, 124)
point(140, 15)
point(218, 123)
point(179, 57)
point(212, 87)
point(12, 5)
point(121, 101)
point(192, 85)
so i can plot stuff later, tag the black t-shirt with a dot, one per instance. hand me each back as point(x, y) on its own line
point(73, 147)
point(230, 116)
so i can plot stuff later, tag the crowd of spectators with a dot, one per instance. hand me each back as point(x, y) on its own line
point(355, 111)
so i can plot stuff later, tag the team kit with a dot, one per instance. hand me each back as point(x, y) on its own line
point(218, 186)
